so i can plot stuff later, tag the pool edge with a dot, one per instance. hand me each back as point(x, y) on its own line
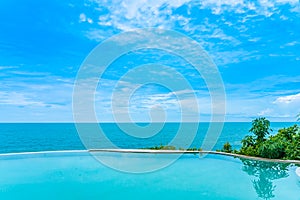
point(151, 151)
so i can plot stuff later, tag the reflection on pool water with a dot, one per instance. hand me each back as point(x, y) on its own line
point(298, 171)
point(77, 175)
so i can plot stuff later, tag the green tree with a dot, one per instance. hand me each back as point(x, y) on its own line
point(283, 145)
point(273, 148)
point(248, 146)
point(248, 141)
point(227, 147)
point(260, 128)
point(293, 149)
point(288, 133)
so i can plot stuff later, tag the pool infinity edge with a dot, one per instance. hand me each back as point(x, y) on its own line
point(151, 151)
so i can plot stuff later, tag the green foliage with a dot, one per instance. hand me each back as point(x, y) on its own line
point(162, 147)
point(192, 149)
point(293, 150)
point(248, 141)
point(169, 148)
point(248, 147)
point(166, 147)
point(227, 148)
point(272, 148)
point(284, 145)
point(260, 128)
point(235, 151)
point(288, 133)
point(250, 151)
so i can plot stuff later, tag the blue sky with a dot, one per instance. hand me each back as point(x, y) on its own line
point(255, 44)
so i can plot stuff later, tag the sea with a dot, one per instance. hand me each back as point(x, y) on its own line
point(32, 137)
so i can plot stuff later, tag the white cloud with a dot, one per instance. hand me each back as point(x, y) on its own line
point(128, 15)
point(38, 96)
point(89, 20)
point(97, 34)
point(266, 97)
point(218, 7)
point(291, 2)
point(18, 99)
point(290, 44)
point(216, 37)
point(254, 39)
point(291, 99)
point(285, 107)
point(283, 17)
point(234, 56)
point(262, 7)
point(265, 112)
point(7, 67)
point(82, 17)
point(145, 99)
point(218, 33)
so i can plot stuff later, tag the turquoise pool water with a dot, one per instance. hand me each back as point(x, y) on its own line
point(78, 175)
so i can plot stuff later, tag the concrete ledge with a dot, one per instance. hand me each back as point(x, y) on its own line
point(43, 152)
point(152, 151)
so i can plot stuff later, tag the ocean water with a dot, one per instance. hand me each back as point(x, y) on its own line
point(27, 137)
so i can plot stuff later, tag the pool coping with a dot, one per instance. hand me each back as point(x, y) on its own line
point(193, 152)
point(152, 151)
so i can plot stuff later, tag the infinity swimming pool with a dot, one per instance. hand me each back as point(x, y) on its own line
point(78, 175)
